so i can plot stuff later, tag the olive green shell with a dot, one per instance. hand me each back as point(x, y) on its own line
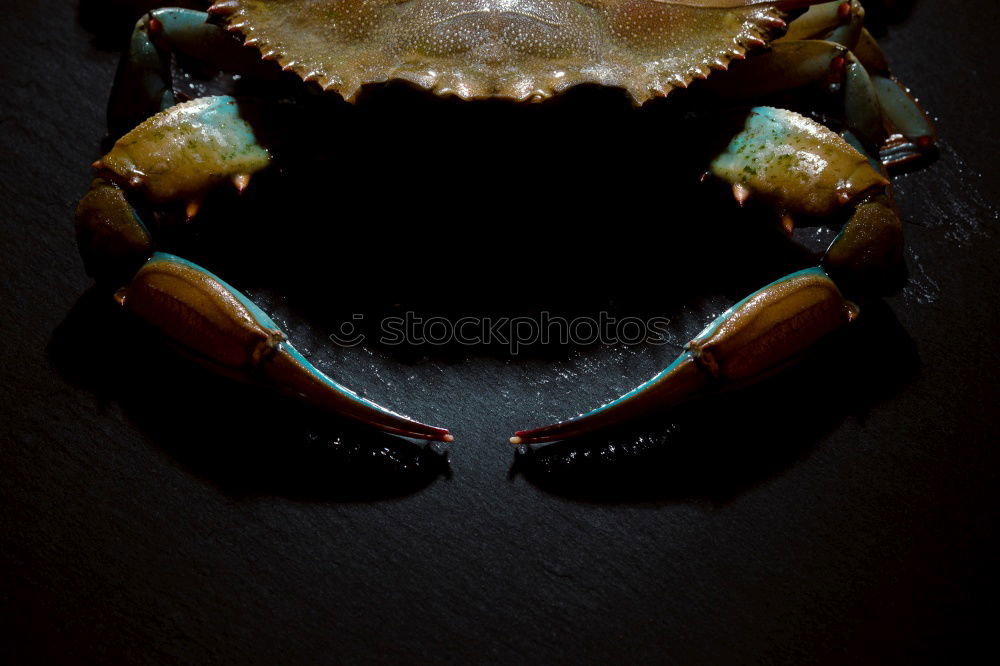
point(514, 49)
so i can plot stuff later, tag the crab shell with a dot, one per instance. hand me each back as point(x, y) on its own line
point(513, 49)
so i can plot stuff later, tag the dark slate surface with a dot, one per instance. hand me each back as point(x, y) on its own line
point(149, 513)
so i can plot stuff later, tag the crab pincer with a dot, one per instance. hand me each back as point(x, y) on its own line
point(216, 325)
point(758, 336)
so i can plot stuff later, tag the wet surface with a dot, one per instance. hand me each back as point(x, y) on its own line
point(151, 512)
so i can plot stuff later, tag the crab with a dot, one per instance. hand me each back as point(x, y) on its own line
point(176, 152)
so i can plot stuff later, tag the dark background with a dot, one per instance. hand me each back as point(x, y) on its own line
point(149, 512)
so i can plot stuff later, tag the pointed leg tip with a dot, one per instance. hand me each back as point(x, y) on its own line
point(788, 225)
point(447, 437)
point(741, 193)
point(853, 311)
point(838, 66)
point(97, 164)
point(191, 210)
point(515, 440)
point(241, 182)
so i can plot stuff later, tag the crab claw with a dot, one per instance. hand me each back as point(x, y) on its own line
point(220, 327)
point(753, 339)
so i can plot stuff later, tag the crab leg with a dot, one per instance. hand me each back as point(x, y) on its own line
point(177, 157)
point(802, 168)
point(829, 43)
point(841, 21)
point(795, 64)
point(143, 83)
point(911, 133)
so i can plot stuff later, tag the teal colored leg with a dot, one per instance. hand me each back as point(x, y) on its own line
point(911, 133)
point(862, 110)
point(143, 83)
point(790, 65)
point(903, 130)
point(914, 135)
point(859, 146)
